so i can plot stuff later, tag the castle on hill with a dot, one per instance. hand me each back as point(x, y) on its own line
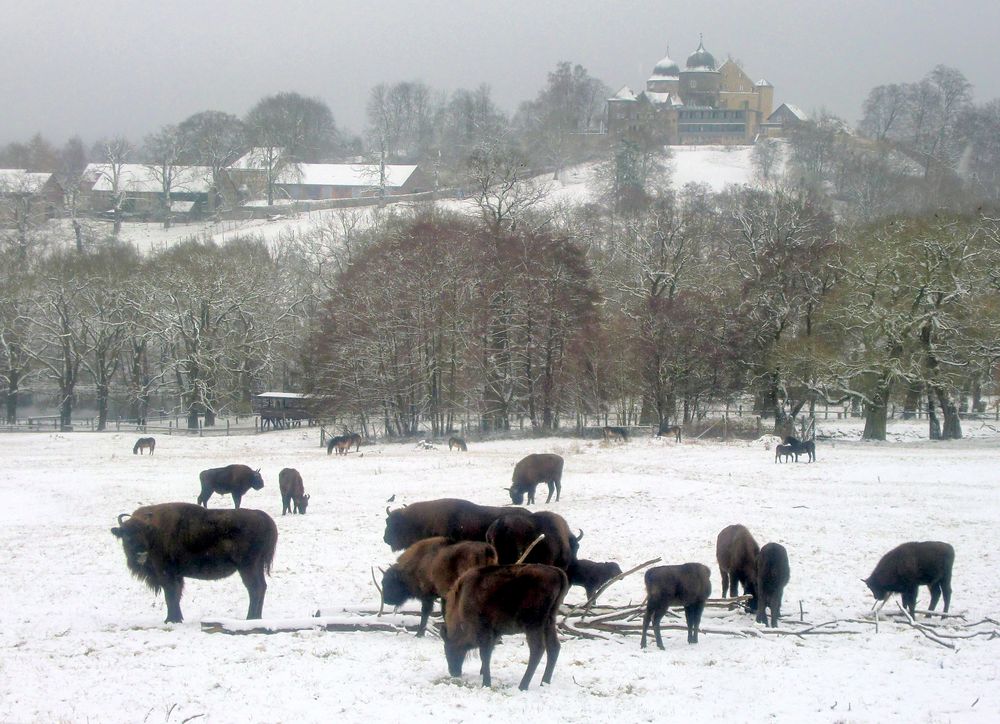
point(699, 104)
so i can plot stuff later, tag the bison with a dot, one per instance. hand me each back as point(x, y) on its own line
point(166, 543)
point(233, 480)
point(486, 603)
point(686, 585)
point(449, 517)
point(591, 575)
point(532, 470)
point(907, 566)
point(513, 533)
point(144, 443)
point(427, 570)
point(293, 492)
point(772, 577)
point(736, 551)
point(457, 443)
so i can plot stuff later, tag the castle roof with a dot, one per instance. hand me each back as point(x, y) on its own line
point(624, 94)
point(700, 59)
point(666, 69)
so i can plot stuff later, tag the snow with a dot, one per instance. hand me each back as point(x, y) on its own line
point(143, 178)
point(344, 174)
point(22, 181)
point(82, 640)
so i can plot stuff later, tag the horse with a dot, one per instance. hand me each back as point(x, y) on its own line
point(457, 442)
point(144, 443)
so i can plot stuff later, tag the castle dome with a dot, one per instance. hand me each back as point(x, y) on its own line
point(666, 68)
point(700, 59)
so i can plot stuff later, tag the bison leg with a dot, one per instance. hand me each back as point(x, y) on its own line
point(725, 582)
point(909, 597)
point(253, 579)
point(237, 497)
point(485, 652)
point(426, 604)
point(692, 615)
point(203, 497)
point(935, 589)
point(645, 625)
point(775, 603)
point(284, 505)
point(536, 646)
point(551, 651)
point(657, 618)
point(172, 590)
point(946, 590)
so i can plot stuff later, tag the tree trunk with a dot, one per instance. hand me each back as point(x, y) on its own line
point(952, 428)
point(876, 411)
point(912, 401)
point(934, 425)
point(10, 404)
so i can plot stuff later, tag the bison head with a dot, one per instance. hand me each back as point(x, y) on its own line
point(399, 532)
point(516, 495)
point(136, 537)
point(395, 590)
point(878, 591)
point(454, 652)
point(256, 480)
point(303, 504)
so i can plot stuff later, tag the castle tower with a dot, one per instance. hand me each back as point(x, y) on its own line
point(665, 77)
point(699, 81)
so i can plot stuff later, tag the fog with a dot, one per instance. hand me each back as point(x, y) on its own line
point(103, 68)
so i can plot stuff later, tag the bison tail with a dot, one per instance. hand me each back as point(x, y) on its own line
point(270, 544)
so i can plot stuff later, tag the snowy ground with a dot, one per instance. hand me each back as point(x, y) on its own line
point(81, 640)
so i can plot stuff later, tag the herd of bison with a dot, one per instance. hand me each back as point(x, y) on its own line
point(495, 570)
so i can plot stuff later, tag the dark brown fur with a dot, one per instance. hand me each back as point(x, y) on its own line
point(532, 470)
point(354, 439)
point(736, 551)
point(591, 575)
point(486, 603)
point(615, 433)
point(911, 565)
point(293, 492)
point(772, 577)
point(166, 543)
point(783, 452)
point(233, 480)
point(686, 585)
point(144, 443)
point(457, 442)
point(449, 517)
point(668, 429)
point(428, 568)
point(511, 535)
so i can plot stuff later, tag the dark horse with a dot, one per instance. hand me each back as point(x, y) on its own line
point(144, 443)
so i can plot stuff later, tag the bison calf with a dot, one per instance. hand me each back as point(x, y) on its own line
point(686, 585)
point(772, 576)
point(736, 551)
point(532, 470)
point(427, 570)
point(233, 480)
point(910, 565)
point(166, 543)
point(293, 492)
point(486, 603)
point(591, 575)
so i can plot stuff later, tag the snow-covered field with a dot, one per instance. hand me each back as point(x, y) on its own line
point(82, 641)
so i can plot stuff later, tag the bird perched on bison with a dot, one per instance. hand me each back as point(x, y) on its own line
point(910, 565)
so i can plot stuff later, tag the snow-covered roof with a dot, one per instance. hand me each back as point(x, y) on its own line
point(140, 178)
point(658, 98)
point(624, 94)
point(344, 174)
point(764, 83)
point(794, 110)
point(256, 158)
point(19, 180)
point(284, 395)
point(665, 69)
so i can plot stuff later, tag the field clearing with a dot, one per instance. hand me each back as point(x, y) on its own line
point(82, 640)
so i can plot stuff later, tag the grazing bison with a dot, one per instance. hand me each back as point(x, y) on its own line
point(166, 543)
point(667, 429)
point(457, 443)
point(233, 480)
point(591, 575)
point(686, 585)
point(449, 517)
point(532, 470)
point(783, 452)
point(772, 577)
point(513, 533)
point(615, 433)
point(736, 552)
point(427, 570)
point(293, 492)
point(486, 603)
point(144, 443)
point(907, 566)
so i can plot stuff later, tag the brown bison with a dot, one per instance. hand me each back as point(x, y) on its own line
point(427, 570)
point(144, 443)
point(457, 443)
point(293, 492)
point(513, 533)
point(591, 575)
point(486, 603)
point(532, 470)
point(449, 517)
point(772, 577)
point(166, 543)
point(910, 565)
point(736, 551)
point(233, 480)
point(686, 585)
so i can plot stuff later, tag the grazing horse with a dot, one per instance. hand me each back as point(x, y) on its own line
point(782, 453)
point(354, 439)
point(668, 429)
point(457, 442)
point(615, 433)
point(144, 443)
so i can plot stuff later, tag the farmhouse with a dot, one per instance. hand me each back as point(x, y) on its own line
point(350, 180)
point(27, 197)
point(140, 188)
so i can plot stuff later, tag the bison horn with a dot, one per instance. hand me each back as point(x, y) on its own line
point(381, 570)
point(387, 510)
point(123, 515)
point(579, 536)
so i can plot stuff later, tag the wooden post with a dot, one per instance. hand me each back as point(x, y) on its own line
point(200, 429)
point(227, 427)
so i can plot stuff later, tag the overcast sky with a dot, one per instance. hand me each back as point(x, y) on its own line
point(106, 67)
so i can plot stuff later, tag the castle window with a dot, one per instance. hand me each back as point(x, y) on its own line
point(694, 84)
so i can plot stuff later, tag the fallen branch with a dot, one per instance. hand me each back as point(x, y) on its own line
point(620, 576)
point(925, 630)
point(381, 598)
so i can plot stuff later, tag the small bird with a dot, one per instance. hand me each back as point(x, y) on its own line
point(391, 498)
